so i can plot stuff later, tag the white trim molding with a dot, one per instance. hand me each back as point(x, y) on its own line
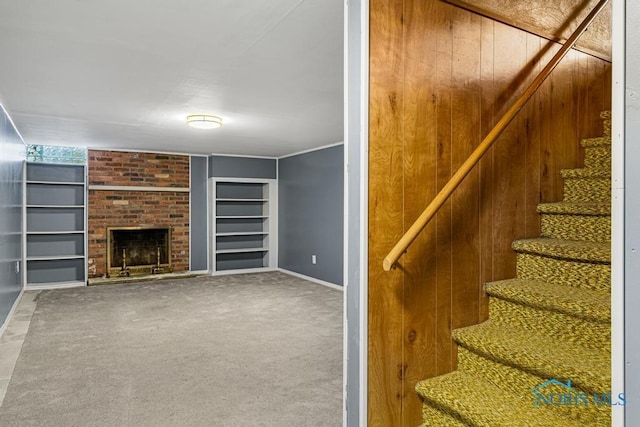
point(60, 285)
point(312, 279)
point(617, 210)
point(11, 313)
point(311, 150)
point(243, 155)
point(137, 188)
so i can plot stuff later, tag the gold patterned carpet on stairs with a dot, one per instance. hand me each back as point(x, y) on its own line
point(543, 358)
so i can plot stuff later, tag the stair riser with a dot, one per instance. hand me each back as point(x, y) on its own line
point(576, 227)
point(598, 158)
point(587, 189)
point(588, 334)
point(564, 272)
point(521, 383)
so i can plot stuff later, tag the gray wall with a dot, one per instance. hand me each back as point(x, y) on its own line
point(242, 167)
point(311, 213)
point(198, 220)
point(12, 156)
point(631, 214)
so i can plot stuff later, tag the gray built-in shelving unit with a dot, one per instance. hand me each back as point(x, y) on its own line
point(244, 225)
point(55, 224)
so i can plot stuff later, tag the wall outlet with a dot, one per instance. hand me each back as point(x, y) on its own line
point(313, 259)
point(17, 267)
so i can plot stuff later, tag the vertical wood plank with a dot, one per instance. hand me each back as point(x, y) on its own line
point(419, 299)
point(465, 119)
point(532, 135)
point(385, 212)
point(511, 76)
point(445, 350)
point(487, 121)
point(548, 191)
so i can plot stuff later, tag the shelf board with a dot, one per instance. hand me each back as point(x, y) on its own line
point(241, 200)
point(241, 217)
point(56, 232)
point(57, 206)
point(239, 251)
point(56, 183)
point(53, 258)
point(242, 233)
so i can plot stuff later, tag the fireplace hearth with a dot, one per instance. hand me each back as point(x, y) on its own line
point(137, 251)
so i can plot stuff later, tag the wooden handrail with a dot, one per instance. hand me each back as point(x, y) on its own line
point(453, 183)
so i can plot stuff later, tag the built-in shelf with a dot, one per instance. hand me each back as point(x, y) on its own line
point(242, 217)
point(244, 225)
point(55, 183)
point(55, 224)
point(57, 206)
point(53, 258)
point(243, 200)
point(243, 233)
point(56, 232)
point(241, 251)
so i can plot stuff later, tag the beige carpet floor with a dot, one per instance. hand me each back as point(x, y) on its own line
point(256, 349)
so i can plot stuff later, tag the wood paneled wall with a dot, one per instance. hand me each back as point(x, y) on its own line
point(440, 77)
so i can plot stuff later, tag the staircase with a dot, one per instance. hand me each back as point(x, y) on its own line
point(543, 358)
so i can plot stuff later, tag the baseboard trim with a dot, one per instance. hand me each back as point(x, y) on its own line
point(61, 285)
point(11, 312)
point(243, 271)
point(200, 272)
point(312, 279)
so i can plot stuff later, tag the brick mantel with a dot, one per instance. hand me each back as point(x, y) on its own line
point(137, 189)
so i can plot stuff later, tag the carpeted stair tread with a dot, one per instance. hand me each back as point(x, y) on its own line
point(575, 208)
point(583, 303)
point(437, 418)
point(476, 402)
point(519, 383)
point(584, 173)
point(588, 369)
point(595, 252)
point(602, 141)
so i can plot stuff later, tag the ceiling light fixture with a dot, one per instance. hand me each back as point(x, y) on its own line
point(204, 121)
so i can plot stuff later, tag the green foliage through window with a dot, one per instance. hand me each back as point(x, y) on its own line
point(53, 154)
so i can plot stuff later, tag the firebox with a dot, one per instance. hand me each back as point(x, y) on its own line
point(133, 251)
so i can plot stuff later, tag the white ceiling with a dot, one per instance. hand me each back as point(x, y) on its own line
point(123, 74)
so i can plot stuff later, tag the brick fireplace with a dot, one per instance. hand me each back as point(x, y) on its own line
point(130, 190)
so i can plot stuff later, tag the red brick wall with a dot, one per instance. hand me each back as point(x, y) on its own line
point(138, 169)
point(124, 208)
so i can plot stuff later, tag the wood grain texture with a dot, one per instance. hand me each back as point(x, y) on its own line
point(420, 145)
point(488, 90)
point(441, 89)
point(440, 77)
point(551, 19)
point(386, 367)
point(465, 116)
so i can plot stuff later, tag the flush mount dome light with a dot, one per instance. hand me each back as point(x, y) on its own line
point(204, 121)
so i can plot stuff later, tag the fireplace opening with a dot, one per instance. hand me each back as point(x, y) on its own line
point(133, 251)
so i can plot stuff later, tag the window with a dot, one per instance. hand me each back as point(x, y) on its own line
point(54, 154)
